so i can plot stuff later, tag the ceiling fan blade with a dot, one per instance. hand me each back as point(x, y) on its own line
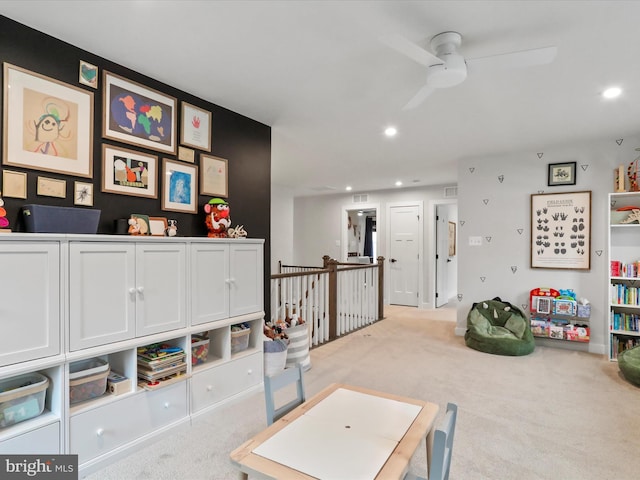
point(419, 97)
point(525, 58)
point(410, 49)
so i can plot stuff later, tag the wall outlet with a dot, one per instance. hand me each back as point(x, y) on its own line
point(475, 241)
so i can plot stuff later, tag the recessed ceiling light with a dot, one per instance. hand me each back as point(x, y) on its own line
point(612, 92)
point(348, 188)
point(398, 183)
point(390, 131)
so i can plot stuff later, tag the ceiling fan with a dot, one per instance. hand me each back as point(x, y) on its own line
point(447, 68)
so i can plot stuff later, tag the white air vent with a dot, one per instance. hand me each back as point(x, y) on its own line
point(362, 198)
point(450, 192)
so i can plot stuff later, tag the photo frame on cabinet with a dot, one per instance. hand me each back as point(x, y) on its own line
point(179, 187)
point(195, 128)
point(139, 224)
point(14, 184)
point(561, 230)
point(138, 115)
point(158, 226)
point(47, 124)
point(561, 174)
point(129, 172)
point(83, 194)
point(214, 177)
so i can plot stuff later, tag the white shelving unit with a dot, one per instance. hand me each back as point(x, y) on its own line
point(100, 296)
point(624, 288)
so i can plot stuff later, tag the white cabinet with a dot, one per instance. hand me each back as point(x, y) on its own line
point(30, 306)
point(624, 264)
point(226, 280)
point(43, 440)
point(118, 290)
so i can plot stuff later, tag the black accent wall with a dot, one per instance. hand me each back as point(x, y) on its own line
point(245, 143)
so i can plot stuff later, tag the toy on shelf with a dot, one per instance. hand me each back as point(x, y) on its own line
point(559, 315)
point(4, 221)
point(217, 220)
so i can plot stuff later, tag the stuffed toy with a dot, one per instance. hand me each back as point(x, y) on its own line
point(217, 220)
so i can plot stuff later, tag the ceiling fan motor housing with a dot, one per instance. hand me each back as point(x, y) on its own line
point(453, 70)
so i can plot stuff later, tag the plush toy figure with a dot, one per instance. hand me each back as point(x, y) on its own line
point(217, 219)
point(172, 228)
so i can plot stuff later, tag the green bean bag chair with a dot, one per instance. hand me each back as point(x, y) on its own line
point(629, 364)
point(500, 328)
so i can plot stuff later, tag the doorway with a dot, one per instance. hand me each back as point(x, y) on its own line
point(443, 254)
point(405, 260)
point(360, 233)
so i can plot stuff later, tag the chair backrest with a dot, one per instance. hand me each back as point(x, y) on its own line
point(277, 382)
point(443, 445)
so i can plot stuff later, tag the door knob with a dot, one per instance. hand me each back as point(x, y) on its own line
point(392, 260)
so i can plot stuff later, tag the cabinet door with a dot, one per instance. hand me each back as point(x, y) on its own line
point(30, 309)
point(245, 280)
point(102, 293)
point(160, 288)
point(209, 282)
point(41, 441)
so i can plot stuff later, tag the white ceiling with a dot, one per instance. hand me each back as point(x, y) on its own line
point(318, 74)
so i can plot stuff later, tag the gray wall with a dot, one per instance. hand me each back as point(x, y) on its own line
point(494, 203)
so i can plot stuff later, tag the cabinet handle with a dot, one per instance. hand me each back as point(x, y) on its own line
point(167, 404)
point(232, 280)
point(132, 290)
point(140, 290)
point(100, 432)
point(227, 281)
point(249, 372)
point(209, 388)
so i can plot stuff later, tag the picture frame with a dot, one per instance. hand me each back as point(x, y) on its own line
point(88, 74)
point(51, 187)
point(561, 230)
point(561, 174)
point(14, 184)
point(129, 172)
point(179, 186)
point(158, 226)
point(452, 239)
point(138, 115)
point(195, 127)
point(139, 224)
point(214, 177)
point(47, 124)
point(83, 194)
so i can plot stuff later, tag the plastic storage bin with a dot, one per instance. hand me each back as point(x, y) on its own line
point(50, 219)
point(22, 398)
point(199, 349)
point(87, 379)
point(240, 340)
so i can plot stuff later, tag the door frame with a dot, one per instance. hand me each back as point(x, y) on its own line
point(344, 239)
point(387, 279)
point(431, 250)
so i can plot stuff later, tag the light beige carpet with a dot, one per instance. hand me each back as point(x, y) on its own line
point(554, 414)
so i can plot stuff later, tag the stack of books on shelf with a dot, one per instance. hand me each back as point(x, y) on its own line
point(628, 322)
point(625, 295)
point(627, 270)
point(160, 362)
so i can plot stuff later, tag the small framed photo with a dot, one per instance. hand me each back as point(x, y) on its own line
point(52, 187)
point(561, 174)
point(196, 127)
point(128, 172)
point(139, 224)
point(88, 74)
point(214, 177)
point(179, 187)
point(83, 194)
point(158, 226)
point(14, 184)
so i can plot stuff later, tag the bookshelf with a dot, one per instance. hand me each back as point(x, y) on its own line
point(624, 273)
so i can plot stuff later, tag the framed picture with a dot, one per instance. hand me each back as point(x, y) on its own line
point(214, 176)
point(83, 194)
point(561, 230)
point(452, 239)
point(158, 226)
point(48, 124)
point(561, 174)
point(138, 115)
point(14, 184)
point(139, 224)
point(179, 187)
point(52, 187)
point(88, 74)
point(128, 172)
point(195, 128)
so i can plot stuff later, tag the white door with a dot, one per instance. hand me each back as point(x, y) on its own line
point(404, 255)
point(442, 255)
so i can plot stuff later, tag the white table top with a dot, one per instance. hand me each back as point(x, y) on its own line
point(348, 435)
